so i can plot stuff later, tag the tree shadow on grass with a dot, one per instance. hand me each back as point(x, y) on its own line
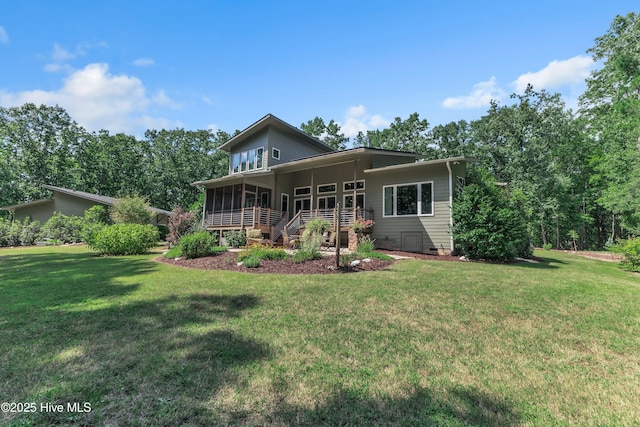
point(49, 279)
point(457, 406)
point(140, 363)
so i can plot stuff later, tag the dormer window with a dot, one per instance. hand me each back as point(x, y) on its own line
point(247, 160)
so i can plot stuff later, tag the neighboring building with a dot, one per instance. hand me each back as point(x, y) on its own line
point(280, 177)
point(70, 202)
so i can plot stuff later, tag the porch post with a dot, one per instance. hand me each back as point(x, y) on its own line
point(312, 189)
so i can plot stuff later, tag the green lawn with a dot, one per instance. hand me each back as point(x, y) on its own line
point(425, 342)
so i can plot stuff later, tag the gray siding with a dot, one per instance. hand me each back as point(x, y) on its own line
point(70, 205)
point(313, 177)
point(434, 229)
point(290, 148)
point(256, 141)
point(40, 212)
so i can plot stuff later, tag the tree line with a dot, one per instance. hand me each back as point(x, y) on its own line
point(576, 174)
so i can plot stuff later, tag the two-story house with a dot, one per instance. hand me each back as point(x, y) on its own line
point(280, 177)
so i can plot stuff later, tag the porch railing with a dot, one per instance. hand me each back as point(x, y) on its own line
point(247, 217)
point(347, 218)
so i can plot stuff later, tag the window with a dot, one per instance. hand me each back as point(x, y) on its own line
point(235, 162)
point(357, 185)
point(259, 152)
point(302, 205)
point(327, 202)
point(408, 199)
point(275, 153)
point(247, 160)
point(327, 188)
point(348, 201)
point(301, 191)
point(243, 161)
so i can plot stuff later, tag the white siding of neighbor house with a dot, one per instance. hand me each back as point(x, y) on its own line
point(434, 229)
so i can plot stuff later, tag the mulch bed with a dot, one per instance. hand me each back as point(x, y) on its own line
point(228, 261)
point(326, 265)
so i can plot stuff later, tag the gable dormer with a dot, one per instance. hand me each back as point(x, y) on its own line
point(269, 142)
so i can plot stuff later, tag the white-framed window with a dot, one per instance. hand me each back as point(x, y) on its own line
point(275, 153)
point(302, 204)
point(302, 191)
point(326, 202)
point(284, 202)
point(327, 188)
point(351, 185)
point(409, 199)
point(247, 160)
point(349, 201)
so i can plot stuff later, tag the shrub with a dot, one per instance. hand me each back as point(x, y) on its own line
point(174, 252)
point(251, 262)
point(181, 223)
point(547, 246)
point(487, 225)
point(235, 238)
point(125, 239)
point(97, 214)
point(630, 249)
point(131, 210)
point(163, 231)
point(10, 232)
point(68, 229)
point(365, 245)
point(262, 253)
point(197, 245)
point(30, 233)
point(317, 225)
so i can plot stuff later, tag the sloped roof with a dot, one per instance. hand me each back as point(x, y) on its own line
point(104, 200)
point(271, 120)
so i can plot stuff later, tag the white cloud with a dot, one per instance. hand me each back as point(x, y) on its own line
point(557, 73)
point(144, 62)
point(480, 96)
point(358, 120)
point(98, 100)
point(60, 57)
point(4, 37)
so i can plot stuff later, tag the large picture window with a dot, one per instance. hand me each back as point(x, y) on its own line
point(408, 199)
point(247, 160)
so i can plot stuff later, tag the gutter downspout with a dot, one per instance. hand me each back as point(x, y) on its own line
point(450, 203)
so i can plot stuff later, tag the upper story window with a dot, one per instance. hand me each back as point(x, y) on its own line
point(247, 160)
point(327, 188)
point(275, 153)
point(354, 185)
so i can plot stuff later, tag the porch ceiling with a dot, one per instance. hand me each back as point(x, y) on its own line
point(233, 179)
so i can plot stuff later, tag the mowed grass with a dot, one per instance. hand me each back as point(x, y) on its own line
point(424, 343)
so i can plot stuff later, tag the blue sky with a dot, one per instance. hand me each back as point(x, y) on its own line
point(127, 66)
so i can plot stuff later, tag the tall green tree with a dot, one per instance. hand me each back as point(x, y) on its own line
point(114, 165)
point(38, 145)
point(536, 147)
point(611, 106)
point(180, 157)
point(453, 139)
point(410, 135)
point(329, 133)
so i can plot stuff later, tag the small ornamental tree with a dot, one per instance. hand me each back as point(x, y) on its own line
point(180, 223)
point(131, 210)
point(488, 224)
